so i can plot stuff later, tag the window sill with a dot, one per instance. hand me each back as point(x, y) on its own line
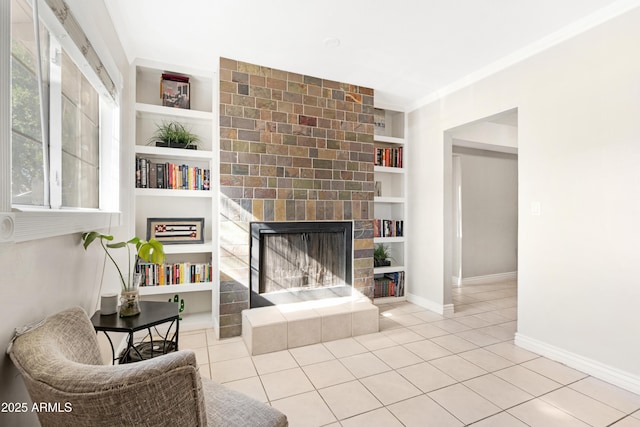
point(33, 224)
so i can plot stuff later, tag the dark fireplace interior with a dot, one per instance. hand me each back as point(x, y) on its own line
point(299, 261)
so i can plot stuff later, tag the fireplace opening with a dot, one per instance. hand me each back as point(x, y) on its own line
point(299, 261)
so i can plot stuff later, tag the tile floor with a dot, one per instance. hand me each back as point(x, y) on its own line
point(421, 369)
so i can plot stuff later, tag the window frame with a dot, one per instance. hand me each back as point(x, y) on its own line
point(20, 223)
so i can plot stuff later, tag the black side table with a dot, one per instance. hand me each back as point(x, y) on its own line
point(151, 315)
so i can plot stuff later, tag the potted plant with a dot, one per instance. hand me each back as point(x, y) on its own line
point(381, 257)
point(149, 251)
point(174, 135)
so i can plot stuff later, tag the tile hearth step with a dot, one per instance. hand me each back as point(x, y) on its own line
point(269, 329)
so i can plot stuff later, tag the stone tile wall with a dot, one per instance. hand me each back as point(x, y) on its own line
point(292, 148)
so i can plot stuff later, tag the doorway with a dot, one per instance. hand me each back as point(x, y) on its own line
point(481, 202)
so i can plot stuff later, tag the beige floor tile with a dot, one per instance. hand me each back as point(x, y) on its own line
point(502, 419)
point(478, 338)
point(554, 370)
point(286, 383)
point(231, 370)
point(463, 403)
point(537, 413)
point(509, 351)
point(390, 387)
point(429, 316)
point(364, 365)
point(408, 307)
point(613, 396)
point(325, 374)
point(458, 368)
point(311, 354)
point(627, 422)
point(451, 326)
point(349, 399)
point(376, 418)
point(345, 347)
point(414, 413)
point(427, 349)
point(428, 330)
point(473, 322)
point(498, 391)
point(397, 357)
point(403, 335)
point(406, 319)
point(307, 409)
point(426, 377)
point(375, 341)
point(202, 355)
point(636, 415)
point(454, 343)
point(529, 381)
point(194, 339)
point(250, 386)
point(485, 359)
point(492, 317)
point(273, 362)
point(229, 351)
point(582, 407)
point(388, 324)
point(205, 371)
point(499, 332)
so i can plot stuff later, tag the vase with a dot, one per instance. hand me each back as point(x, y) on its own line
point(130, 298)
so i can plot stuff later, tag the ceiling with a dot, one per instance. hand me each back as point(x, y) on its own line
point(409, 51)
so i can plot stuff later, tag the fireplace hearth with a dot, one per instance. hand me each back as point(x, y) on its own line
point(300, 261)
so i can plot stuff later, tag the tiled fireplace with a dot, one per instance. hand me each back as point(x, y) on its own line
point(293, 149)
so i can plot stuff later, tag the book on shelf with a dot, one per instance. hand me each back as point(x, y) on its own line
point(174, 274)
point(171, 175)
point(389, 157)
point(389, 285)
point(388, 228)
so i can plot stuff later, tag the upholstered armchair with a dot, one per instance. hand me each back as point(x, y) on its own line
point(60, 361)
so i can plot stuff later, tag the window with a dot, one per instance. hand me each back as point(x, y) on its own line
point(63, 125)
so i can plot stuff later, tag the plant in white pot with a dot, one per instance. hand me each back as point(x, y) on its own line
point(149, 251)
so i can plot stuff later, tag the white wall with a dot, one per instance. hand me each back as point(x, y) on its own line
point(489, 212)
point(579, 150)
point(43, 277)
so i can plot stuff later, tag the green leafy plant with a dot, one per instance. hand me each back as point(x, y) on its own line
point(149, 251)
point(381, 254)
point(175, 134)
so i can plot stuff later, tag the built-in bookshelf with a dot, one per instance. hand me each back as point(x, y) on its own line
point(176, 183)
point(390, 227)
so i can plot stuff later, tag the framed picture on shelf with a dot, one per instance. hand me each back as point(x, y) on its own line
point(174, 231)
point(174, 90)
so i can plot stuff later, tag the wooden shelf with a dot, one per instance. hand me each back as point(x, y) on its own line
point(167, 192)
point(390, 269)
point(388, 199)
point(388, 239)
point(175, 289)
point(159, 110)
point(386, 300)
point(173, 153)
point(386, 169)
point(196, 248)
point(388, 139)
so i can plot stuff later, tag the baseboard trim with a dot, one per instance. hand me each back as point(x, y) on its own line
point(490, 278)
point(428, 304)
point(594, 368)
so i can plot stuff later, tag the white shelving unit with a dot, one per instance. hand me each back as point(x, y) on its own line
point(200, 298)
point(390, 204)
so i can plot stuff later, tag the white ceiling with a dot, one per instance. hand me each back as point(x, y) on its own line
point(407, 50)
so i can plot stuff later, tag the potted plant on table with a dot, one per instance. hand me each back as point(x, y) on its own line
point(381, 256)
point(174, 135)
point(149, 251)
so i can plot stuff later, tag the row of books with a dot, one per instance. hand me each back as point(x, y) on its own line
point(389, 285)
point(390, 157)
point(171, 175)
point(388, 228)
point(174, 274)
